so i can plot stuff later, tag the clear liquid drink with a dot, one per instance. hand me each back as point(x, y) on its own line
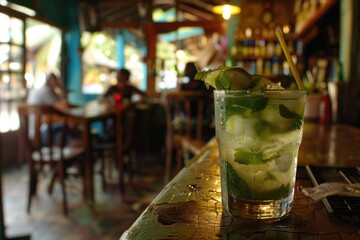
point(258, 134)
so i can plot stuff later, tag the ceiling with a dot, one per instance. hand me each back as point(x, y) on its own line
point(135, 14)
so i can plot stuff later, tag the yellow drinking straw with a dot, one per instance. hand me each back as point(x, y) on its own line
point(289, 59)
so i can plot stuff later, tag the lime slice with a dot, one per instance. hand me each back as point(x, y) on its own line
point(234, 78)
point(226, 78)
point(260, 82)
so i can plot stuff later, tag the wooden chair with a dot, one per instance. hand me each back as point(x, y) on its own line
point(188, 118)
point(105, 147)
point(43, 151)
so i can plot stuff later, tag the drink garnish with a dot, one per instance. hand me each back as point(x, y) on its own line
point(287, 113)
point(237, 186)
point(234, 78)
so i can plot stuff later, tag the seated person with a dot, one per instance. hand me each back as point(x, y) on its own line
point(52, 93)
point(127, 91)
point(123, 87)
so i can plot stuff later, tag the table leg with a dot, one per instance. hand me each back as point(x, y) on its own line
point(119, 148)
point(88, 164)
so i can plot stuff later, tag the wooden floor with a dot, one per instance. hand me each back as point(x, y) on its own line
point(108, 218)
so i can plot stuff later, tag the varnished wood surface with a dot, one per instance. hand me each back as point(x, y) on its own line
point(189, 207)
point(330, 145)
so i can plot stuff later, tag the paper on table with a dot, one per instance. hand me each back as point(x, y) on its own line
point(328, 189)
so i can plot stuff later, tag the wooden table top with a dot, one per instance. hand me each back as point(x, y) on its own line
point(189, 207)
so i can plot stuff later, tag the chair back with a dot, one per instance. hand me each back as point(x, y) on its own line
point(188, 113)
point(37, 133)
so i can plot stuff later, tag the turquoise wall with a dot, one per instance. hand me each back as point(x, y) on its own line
point(65, 13)
point(73, 61)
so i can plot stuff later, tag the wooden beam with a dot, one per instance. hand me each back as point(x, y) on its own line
point(118, 24)
point(165, 25)
point(176, 25)
point(196, 12)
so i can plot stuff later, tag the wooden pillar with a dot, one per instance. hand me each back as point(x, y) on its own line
point(151, 59)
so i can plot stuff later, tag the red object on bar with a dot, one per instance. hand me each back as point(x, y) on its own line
point(118, 100)
point(325, 109)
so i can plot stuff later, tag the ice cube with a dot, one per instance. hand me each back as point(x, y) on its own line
point(237, 125)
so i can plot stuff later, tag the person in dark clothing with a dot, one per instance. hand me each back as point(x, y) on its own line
point(122, 92)
point(192, 84)
point(123, 87)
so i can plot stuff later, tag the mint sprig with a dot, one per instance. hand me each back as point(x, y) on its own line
point(237, 187)
point(285, 112)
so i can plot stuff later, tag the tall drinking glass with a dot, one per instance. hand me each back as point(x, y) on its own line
point(258, 134)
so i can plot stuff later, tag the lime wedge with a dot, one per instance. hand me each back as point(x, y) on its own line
point(226, 78)
point(260, 82)
point(234, 78)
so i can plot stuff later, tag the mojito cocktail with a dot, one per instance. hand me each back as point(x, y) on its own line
point(259, 131)
point(258, 134)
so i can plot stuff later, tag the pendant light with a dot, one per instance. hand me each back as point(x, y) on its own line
point(226, 10)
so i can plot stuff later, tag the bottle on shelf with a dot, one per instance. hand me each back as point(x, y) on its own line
point(275, 67)
point(245, 49)
point(262, 44)
point(278, 49)
point(270, 49)
point(325, 108)
point(267, 68)
point(251, 47)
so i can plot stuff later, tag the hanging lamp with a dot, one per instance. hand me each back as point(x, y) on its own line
point(226, 10)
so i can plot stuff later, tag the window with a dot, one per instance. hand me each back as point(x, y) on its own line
point(172, 54)
point(11, 58)
point(102, 55)
point(43, 51)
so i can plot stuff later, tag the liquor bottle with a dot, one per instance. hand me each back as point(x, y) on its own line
point(278, 50)
point(245, 48)
point(325, 109)
point(270, 49)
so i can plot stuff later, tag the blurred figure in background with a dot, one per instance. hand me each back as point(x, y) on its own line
point(123, 87)
point(191, 84)
point(52, 92)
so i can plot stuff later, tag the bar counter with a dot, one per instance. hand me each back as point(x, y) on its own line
point(189, 207)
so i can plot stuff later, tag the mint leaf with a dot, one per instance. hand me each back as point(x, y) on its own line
point(237, 187)
point(285, 112)
point(223, 83)
point(238, 105)
point(200, 75)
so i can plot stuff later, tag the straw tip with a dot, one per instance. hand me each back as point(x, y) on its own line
point(278, 31)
